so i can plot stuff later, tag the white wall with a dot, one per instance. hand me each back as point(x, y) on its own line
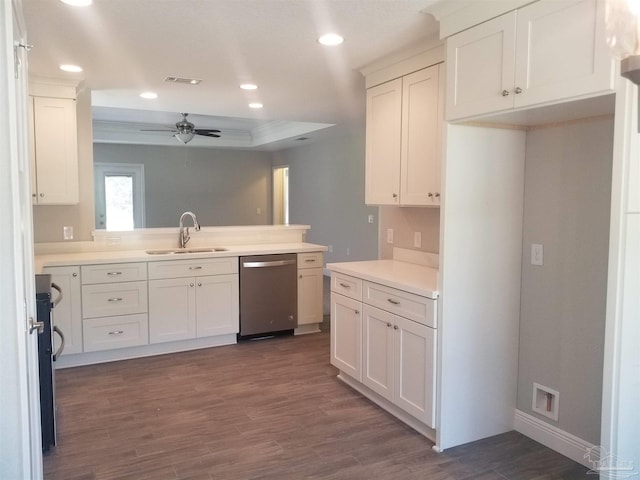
point(567, 203)
point(222, 187)
point(327, 192)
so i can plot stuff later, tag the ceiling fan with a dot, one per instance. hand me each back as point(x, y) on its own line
point(185, 130)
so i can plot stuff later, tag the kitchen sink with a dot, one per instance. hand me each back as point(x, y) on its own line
point(182, 251)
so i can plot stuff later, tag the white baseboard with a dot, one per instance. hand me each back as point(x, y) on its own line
point(562, 442)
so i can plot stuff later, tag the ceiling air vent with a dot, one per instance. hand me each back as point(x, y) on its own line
point(189, 81)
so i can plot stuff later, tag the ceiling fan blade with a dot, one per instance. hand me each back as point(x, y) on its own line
point(157, 130)
point(207, 133)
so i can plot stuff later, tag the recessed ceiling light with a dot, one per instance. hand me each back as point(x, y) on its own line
point(248, 86)
point(78, 3)
point(71, 68)
point(331, 39)
point(149, 95)
point(255, 105)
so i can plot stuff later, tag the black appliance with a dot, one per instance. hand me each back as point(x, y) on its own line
point(46, 357)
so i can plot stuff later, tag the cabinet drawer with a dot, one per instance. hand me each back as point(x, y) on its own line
point(193, 268)
point(310, 260)
point(114, 299)
point(414, 307)
point(113, 273)
point(345, 285)
point(115, 332)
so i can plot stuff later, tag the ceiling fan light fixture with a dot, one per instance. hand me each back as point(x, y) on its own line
point(184, 137)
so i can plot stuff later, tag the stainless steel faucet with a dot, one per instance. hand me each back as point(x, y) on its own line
point(184, 231)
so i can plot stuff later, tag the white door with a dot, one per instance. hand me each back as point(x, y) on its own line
point(172, 309)
point(480, 68)
point(561, 51)
point(217, 305)
point(377, 346)
point(346, 335)
point(382, 156)
point(310, 283)
point(20, 440)
point(119, 196)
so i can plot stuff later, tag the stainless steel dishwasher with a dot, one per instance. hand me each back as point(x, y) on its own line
point(268, 294)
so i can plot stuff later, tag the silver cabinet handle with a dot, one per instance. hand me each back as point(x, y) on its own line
point(505, 93)
point(61, 347)
point(300, 276)
point(115, 299)
point(191, 284)
point(199, 284)
point(74, 274)
point(357, 312)
point(437, 195)
point(116, 332)
point(394, 195)
point(195, 268)
point(392, 301)
point(388, 324)
point(395, 327)
point(430, 195)
point(114, 273)
point(42, 195)
point(310, 260)
point(344, 285)
point(518, 90)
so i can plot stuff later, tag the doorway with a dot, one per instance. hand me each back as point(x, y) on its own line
point(119, 191)
point(281, 195)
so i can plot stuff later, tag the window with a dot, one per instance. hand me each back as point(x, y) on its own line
point(119, 190)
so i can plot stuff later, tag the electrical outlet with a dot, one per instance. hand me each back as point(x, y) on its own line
point(67, 233)
point(537, 254)
point(389, 235)
point(370, 219)
point(417, 239)
point(348, 251)
point(330, 248)
point(258, 211)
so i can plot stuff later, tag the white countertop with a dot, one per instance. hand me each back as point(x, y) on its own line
point(113, 256)
point(406, 276)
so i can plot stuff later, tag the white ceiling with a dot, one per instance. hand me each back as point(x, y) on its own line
point(130, 46)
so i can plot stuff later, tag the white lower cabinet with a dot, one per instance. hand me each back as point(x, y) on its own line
point(310, 285)
point(394, 356)
point(190, 306)
point(67, 315)
point(115, 332)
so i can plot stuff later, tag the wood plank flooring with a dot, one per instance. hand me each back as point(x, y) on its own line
point(269, 409)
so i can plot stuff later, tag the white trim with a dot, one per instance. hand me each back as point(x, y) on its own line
point(558, 440)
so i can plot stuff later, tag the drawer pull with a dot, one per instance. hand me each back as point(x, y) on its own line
point(344, 285)
point(195, 268)
point(116, 332)
point(392, 301)
point(115, 299)
point(113, 274)
point(357, 312)
point(310, 260)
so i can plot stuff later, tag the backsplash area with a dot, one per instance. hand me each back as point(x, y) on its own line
point(405, 222)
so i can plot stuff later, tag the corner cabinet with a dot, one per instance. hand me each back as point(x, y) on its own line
point(403, 140)
point(193, 298)
point(526, 57)
point(53, 151)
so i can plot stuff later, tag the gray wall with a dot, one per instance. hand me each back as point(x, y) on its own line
point(566, 208)
point(327, 192)
point(222, 187)
point(405, 221)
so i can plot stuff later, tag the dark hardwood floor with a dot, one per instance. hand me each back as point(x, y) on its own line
point(269, 409)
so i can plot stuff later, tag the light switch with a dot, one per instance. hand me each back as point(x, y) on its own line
point(537, 254)
point(389, 235)
point(67, 233)
point(417, 239)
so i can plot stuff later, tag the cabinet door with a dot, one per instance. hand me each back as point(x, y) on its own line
point(421, 129)
point(172, 309)
point(55, 150)
point(346, 335)
point(561, 51)
point(217, 305)
point(310, 283)
point(415, 362)
point(67, 315)
point(377, 346)
point(383, 132)
point(480, 68)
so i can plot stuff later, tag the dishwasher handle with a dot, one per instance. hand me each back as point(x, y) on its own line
point(274, 263)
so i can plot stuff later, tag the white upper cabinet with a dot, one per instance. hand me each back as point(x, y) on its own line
point(54, 151)
point(404, 118)
point(545, 52)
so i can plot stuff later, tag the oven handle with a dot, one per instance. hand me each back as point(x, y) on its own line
point(275, 263)
point(58, 299)
point(61, 347)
